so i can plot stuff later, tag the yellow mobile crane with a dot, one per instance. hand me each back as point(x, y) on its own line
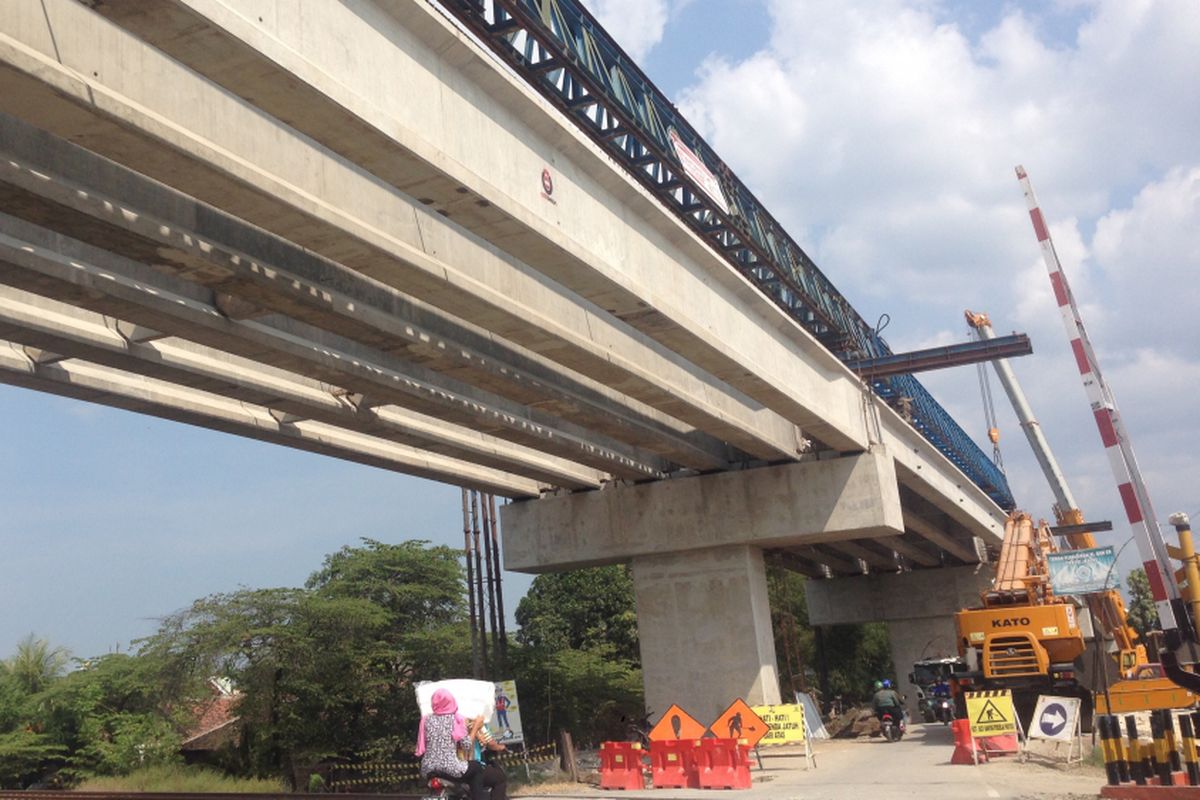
point(1029, 640)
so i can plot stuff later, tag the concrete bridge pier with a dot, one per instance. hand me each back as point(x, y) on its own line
point(704, 624)
point(695, 545)
point(918, 608)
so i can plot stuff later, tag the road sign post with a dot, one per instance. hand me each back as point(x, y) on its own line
point(740, 722)
point(676, 724)
point(787, 724)
point(1056, 719)
point(990, 714)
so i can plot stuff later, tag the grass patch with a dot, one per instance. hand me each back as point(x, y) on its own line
point(178, 778)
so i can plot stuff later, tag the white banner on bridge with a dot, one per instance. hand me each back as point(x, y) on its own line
point(695, 168)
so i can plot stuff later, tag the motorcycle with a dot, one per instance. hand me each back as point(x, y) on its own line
point(925, 707)
point(893, 727)
point(638, 730)
point(943, 709)
point(441, 789)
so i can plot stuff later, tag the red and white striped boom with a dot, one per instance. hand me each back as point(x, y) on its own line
point(1152, 548)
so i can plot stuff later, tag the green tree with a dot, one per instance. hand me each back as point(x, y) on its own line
point(1143, 617)
point(327, 670)
point(36, 664)
point(855, 655)
point(794, 648)
point(578, 661)
point(112, 715)
point(26, 755)
point(12, 700)
point(589, 692)
point(583, 609)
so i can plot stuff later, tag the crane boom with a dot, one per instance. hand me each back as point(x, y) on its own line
point(1151, 547)
point(1063, 499)
point(1107, 607)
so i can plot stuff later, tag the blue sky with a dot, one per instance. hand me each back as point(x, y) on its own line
point(883, 134)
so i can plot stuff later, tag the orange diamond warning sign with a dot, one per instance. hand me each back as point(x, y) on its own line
point(676, 724)
point(739, 722)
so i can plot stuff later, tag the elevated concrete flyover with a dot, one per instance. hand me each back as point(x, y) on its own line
point(209, 204)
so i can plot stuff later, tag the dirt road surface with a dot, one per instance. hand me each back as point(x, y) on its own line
point(869, 769)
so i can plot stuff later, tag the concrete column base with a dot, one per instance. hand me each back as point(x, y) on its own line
point(705, 628)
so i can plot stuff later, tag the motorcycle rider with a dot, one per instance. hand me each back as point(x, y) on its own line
point(886, 701)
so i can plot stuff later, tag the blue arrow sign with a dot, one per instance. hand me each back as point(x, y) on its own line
point(1053, 719)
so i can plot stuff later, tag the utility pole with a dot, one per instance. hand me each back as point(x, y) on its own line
point(475, 665)
point(478, 587)
point(499, 582)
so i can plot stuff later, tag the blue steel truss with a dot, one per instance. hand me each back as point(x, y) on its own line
point(561, 50)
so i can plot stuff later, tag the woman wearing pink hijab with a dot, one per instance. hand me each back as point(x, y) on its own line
point(437, 738)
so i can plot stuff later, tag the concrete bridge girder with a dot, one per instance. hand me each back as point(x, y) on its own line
point(99, 384)
point(278, 196)
point(320, 293)
point(107, 284)
point(266, 175)
point(73, 333)
point(600, 248)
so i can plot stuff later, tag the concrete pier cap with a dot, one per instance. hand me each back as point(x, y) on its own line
point(695, 549)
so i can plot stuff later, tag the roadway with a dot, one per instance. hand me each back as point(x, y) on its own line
point(918, 766)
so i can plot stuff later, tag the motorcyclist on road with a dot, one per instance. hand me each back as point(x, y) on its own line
point(886, 701)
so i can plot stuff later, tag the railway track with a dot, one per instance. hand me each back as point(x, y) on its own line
point(46, 794)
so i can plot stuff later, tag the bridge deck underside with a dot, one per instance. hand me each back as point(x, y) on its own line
point(388, 311)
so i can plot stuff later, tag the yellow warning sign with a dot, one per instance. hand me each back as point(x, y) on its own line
point(785, 723)
point(991, 713)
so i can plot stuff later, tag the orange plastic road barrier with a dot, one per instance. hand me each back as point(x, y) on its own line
point(963, 753)
point(621, 766)
point(1003, 745)
point(722, 763)
point(673, 764)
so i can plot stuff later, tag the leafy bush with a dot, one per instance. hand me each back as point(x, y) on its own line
point(178, 778)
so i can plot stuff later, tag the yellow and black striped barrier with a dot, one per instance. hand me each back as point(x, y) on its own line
point(1168, 759)
point(410, 772)
point(1139, 760)
point(1110, 748)
point(1189, 749)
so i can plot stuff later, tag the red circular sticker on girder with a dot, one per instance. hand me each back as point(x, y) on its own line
point(547, 182)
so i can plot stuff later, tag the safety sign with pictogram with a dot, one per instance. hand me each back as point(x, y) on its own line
point(739, 722)
point(991, 713)
point(676, 724)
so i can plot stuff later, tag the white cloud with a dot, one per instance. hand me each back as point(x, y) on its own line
point(636, 25)
point(1150, 255)
point(883, 134)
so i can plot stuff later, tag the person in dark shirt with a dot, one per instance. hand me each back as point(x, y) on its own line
point(886, 701)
